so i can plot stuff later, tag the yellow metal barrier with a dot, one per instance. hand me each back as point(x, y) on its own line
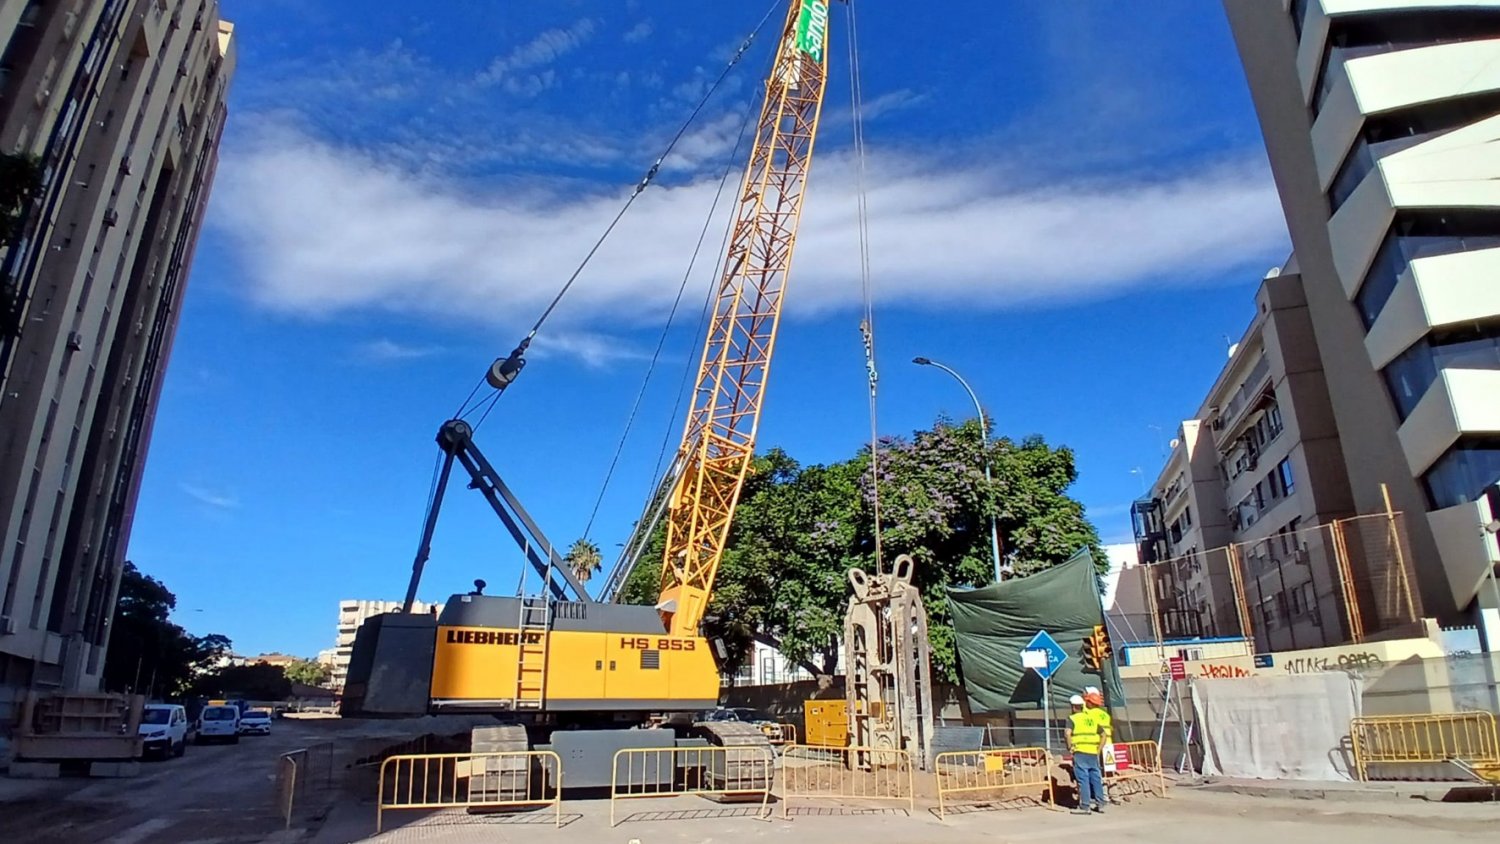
point(1468, 737)
point(729, 772)
point(845, 773)
point(286, 783)
point(470, 781)
point(782, 733)
point(972, 772)
point(1141, 760)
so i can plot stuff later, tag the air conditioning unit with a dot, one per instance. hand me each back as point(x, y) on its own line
point(75, 341)
point(1300, 555)
point(125, 165)
point(7, 626)
point(111, 217)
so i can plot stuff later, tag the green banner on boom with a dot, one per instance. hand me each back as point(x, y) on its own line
point(812, 28)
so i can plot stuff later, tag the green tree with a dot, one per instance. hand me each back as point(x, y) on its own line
point(308, 672)
point(260, 681)
point(798, 530)
point(583, 558)
point(936, 506)
point(147, 652)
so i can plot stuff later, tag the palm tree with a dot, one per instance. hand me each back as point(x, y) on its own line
point(584, 559)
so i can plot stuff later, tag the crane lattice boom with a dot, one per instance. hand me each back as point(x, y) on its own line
point(719, 439)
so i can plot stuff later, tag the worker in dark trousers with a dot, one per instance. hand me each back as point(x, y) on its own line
point(1076, 706)
point(1087, 732)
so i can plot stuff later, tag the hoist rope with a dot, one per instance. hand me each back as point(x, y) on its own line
point(867, 324)
point(656, 167)
point(729, 167)
point(654, 495)
point(640, 188)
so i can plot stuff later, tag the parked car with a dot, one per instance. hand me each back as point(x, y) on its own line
point(255, 722)
point(164, 729)
point(747, 715)
point(219, 723)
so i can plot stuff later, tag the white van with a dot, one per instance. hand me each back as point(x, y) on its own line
point(164, 729)
point(219, 723)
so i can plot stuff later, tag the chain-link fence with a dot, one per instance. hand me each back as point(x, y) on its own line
point(1322, 585)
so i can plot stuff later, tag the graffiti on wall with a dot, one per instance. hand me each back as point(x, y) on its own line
point(1357, 661)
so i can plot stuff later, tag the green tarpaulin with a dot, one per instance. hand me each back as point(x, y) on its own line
point(993, 624)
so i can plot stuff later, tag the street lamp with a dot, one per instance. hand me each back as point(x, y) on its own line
point(984, 429)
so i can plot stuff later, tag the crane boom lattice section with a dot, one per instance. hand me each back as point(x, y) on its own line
point(719, 438)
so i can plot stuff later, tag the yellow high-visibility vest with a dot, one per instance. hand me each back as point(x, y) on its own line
point(1089, 727)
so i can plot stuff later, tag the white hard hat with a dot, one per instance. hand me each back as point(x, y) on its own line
point(1076, 700)
point(1091, 690)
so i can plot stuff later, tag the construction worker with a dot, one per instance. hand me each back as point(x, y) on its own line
point(1088, 730)
point(1076, 704)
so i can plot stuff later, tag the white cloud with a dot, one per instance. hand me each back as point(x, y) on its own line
point(880, 106)
point(322, 229)
point(542, 50)
point(385, 350)
point(595, 350)
point(640, 32)
point(209, 497)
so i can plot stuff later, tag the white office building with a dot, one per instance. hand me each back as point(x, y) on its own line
point(1382, 123)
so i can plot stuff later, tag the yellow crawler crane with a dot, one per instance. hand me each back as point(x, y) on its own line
point(561, 658)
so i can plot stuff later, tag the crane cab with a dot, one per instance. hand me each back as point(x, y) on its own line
point(499, 654)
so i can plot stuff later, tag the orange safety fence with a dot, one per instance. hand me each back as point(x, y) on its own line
point(980, 776)
point(1136, 760)
point(845, 773)
point(511, 779)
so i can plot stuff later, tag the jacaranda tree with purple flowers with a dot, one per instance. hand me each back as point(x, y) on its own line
point(799, 529)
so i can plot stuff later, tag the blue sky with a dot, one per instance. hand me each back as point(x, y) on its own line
point(1069, 204)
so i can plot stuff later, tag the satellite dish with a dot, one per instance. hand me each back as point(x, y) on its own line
point(1175, 442)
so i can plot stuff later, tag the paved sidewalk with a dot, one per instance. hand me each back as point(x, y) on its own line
point(1342, 791)
point(1190, 815)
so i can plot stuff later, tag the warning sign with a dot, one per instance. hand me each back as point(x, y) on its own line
point(1178, 668)
point(1115, 758)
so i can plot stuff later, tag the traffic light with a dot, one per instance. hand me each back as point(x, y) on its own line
point(1097, 649)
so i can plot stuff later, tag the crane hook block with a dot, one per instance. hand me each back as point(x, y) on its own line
point(504, 371)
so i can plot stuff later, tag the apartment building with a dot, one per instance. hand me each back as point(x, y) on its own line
point(1258, 467)
point(1380, 119)
point(352, 614)
point(111, 112)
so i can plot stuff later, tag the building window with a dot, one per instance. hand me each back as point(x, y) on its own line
point(1371, 34)
point(1284, 476)
point(1390, 133)
point(1413, 372)
point(1464, 473)
point(1299, 16)
point(1422, 234)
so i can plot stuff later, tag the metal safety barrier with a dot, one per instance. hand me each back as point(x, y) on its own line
point(976, 773)
point(1141, 760)
point(304, 777)
point(1467, 737)
point(729, 772)
point(286, 783)
point(782, 733)
point(512, 779)
point(810, 772)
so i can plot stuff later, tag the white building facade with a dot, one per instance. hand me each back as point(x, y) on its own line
point(352, 613)
point(119, 105)
point(1382, 123)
